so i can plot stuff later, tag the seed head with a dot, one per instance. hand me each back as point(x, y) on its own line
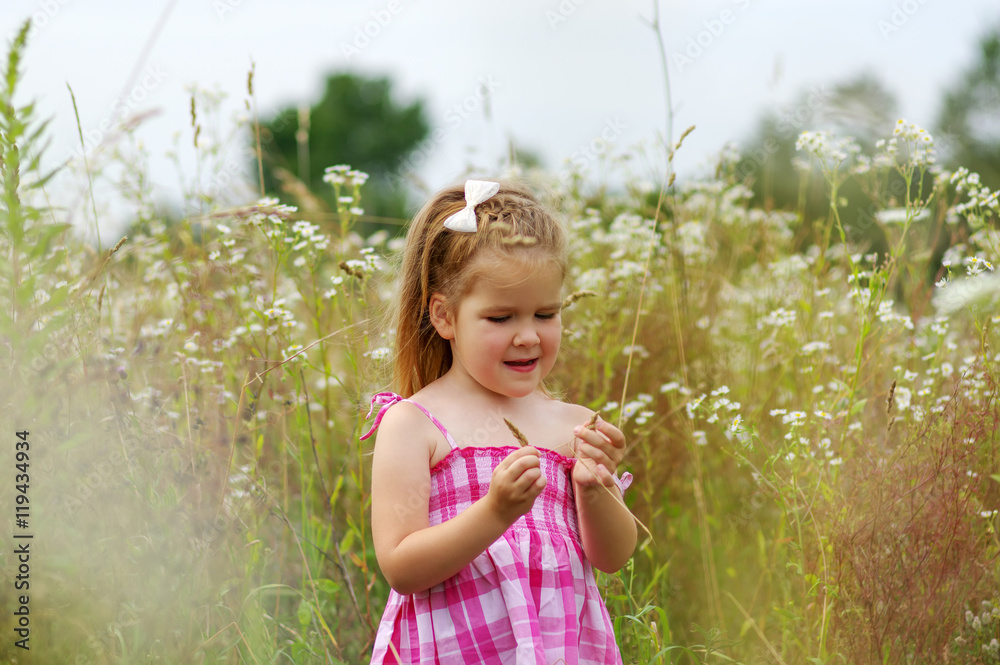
point(577, 295)
point(524, 241)
point(522, 441)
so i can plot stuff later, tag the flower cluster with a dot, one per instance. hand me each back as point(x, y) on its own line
point(269, 210)
point(779, 318)
point(980, 202)
point(886, 314)
point(347, 184)
point(976, 265)
point(637, 408)
point(303, 237)
point(919, 144)
point(277, 315)
point(363, 267)
point(831, 151)
point(342, 174)
point(901, 215)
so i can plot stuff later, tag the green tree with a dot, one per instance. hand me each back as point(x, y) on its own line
point(968, 127)
point(358, 122)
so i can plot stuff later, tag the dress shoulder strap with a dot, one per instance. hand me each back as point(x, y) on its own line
point(387, 399)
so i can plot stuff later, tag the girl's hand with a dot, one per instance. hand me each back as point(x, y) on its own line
point(515, 484)
point(599, 451)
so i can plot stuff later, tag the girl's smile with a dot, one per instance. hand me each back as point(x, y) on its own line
point(522, 365)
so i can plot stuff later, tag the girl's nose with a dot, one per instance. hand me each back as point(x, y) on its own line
point(526, 336)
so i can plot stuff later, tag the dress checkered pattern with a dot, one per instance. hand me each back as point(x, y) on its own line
point(530, 598)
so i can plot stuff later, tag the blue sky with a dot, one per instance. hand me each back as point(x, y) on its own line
point(561, 72)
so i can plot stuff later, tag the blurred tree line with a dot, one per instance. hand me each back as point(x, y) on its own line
point(359, 121)
point(966, 133)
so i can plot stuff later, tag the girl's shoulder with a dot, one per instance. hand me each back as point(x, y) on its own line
point(406, 423)
point(567, 414)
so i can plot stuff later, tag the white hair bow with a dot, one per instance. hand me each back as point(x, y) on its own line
point(476, 191)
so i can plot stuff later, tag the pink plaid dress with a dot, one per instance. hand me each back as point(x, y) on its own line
point(530, 598)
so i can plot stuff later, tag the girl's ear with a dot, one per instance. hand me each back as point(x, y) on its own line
point(442, 317)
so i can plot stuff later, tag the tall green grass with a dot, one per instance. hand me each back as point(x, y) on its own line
point(813, 430)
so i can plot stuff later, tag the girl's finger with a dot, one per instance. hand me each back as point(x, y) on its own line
point(519, 466)
point(596, 440)
point(595, 455)
point(612, 433)
point(516, 455)
point(530, 478)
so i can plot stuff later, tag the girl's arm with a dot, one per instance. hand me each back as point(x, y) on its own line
point(413, 555)
point(607, 528)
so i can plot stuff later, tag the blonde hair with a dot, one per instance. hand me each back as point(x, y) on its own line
point(439, 260)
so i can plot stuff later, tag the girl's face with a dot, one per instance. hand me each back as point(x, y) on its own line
point(505, 331)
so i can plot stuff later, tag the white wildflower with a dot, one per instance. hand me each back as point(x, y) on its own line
point(380, 354)
point(794, 418)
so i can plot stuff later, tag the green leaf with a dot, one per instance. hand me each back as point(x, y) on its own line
point(346, 541)
point(304, 613)
point(327, 586)
point(336, 490)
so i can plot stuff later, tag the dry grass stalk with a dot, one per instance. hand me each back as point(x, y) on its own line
point(501, 226)
point(522, 441)
point(111, 253)
point(888, 400)
point(519, 240)
point(117, 246)
point(577, 295)
point(680, 142)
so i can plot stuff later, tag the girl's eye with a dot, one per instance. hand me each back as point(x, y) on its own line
point(546, 317)
point(497, 319)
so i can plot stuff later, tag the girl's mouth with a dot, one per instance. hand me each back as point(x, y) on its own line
point(522, 365)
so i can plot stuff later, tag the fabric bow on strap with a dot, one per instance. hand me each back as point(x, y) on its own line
point(476, 191)
point(381, 400)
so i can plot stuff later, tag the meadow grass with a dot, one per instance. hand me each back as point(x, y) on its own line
point(812, 429)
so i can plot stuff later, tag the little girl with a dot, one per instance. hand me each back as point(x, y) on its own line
point(486, 542)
